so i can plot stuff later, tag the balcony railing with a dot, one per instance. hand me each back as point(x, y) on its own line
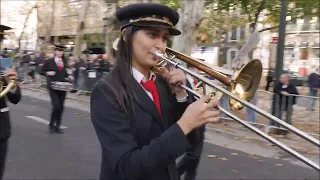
point(303, 28)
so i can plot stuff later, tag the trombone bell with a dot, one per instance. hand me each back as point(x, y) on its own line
point(246, 83)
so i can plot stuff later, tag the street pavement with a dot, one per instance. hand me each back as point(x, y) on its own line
point(34, 153)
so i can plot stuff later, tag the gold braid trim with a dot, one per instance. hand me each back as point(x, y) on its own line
point(164, 20)
point(3, 33)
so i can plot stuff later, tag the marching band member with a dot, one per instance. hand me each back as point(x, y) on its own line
point(14, 97)
point(189, 163)
point(55, 69)
point(144, 121)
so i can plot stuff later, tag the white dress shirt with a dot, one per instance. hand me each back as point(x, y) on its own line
point(138, 76)
point(58, 61)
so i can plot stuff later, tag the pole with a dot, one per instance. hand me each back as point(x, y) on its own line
point(281, 40)
point(0, 22)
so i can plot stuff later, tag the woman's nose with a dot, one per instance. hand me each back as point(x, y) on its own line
point(161, 45)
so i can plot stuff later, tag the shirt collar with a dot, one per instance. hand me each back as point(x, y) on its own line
point(57, 59)
point(140, 77)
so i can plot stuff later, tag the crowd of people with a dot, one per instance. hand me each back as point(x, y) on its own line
point(28, 65)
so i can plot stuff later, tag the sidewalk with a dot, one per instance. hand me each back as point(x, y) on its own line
point(246, 136)
point(238, 131)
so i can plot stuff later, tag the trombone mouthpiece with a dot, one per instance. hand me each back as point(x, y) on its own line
point(159, 54)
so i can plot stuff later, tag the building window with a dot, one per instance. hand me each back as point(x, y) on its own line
point(316, 51)
point(304, 51)
point(231, 54)
point(289, 51)
point(289, 54)
point(235, 34)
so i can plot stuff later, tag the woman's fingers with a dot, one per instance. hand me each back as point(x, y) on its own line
point(211, 114)
point(213, 103)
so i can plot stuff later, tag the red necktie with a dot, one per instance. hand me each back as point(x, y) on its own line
point(60, 65)
point(151, 87)
point(195, 82)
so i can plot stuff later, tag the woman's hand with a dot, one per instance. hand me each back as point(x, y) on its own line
point(199, 113)
point(176, 77)
point(51, 73)
point(12, 74)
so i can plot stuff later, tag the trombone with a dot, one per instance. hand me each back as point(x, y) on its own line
point(243, 86)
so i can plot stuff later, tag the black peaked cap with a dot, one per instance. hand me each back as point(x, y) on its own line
point(148, 15)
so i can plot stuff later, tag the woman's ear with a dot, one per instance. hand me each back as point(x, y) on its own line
point(123, 33)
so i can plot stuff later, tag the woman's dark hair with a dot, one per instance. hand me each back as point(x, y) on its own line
point(120, 79)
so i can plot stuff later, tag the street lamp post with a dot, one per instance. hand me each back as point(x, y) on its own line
point(105, 23)
point(281, 40)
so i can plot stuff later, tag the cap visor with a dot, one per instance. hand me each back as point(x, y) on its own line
point(172, 31)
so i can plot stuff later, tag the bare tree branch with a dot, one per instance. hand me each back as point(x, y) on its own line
point(257, 14)
point(25, 24)
point(274, 27)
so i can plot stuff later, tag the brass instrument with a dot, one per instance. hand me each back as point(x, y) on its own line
point(5, 89)
point(241, 87)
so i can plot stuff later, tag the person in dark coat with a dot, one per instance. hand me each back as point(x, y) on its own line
point(143, 120)
point(57, 69)
point(14, 97)
point(189, 163)
point(314, 86)
point(283, 100)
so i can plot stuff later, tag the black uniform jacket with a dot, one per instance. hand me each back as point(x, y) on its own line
point(5, 127)
point(51, 65)
point(141, 146)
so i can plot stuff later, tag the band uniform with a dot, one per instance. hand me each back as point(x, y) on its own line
point(14, 97)
point(142, 141)
point(59, 66)
point(189, 163)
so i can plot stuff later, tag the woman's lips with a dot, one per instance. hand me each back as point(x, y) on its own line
point(154, 57)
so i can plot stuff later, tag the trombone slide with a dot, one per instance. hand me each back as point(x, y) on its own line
point(253, 107)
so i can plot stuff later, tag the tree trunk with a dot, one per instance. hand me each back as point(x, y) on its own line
point(49, 27)
point(191, 13)
point(111, 31)
point(81, 24)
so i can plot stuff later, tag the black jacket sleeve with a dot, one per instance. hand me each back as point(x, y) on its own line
point(15, 98)
point(45, 67)
point(118, 142)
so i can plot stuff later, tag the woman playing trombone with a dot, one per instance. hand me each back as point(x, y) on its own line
point(144, 121)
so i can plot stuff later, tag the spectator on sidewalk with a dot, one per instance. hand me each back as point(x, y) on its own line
point(99, 66)
point(32, 66)
point(77, 66)
point(314, 86)
point(25, 61)
point(251, 114)
point(189, 163)
point(269, 79)
point(283, 100)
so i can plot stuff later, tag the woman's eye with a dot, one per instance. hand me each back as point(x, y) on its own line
point(152, 35)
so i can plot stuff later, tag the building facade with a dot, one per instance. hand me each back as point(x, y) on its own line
point(21, 16)
point(302, 48)
point(65, 22)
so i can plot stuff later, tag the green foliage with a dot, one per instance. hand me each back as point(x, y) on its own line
point(174, 4)
point(217, 23)
point(250, 8)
